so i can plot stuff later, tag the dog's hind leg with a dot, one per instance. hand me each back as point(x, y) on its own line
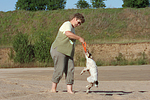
point(89, 87)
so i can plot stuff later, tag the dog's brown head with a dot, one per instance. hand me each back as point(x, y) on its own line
point(88, 54)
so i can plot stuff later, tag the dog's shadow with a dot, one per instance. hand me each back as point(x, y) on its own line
point(111, 93)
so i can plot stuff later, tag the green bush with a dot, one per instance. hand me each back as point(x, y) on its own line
point(42, 48)
point(11, 54)
point(100, 63)
point(24, 51)
point(119, 60)
point(143, 59)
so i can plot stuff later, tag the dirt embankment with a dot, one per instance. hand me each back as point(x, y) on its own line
point(108, 52)
point(100, 52)
point(4, 57)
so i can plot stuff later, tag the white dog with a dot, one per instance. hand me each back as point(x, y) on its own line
point(91, 67)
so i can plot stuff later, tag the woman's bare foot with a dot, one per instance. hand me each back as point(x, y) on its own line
point(71, 92)
point(53, 91)
point(69, 89)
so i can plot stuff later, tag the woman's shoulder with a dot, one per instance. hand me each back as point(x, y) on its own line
point(67, 23)
point(66, 26)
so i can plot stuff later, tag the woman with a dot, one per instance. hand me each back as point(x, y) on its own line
point(62, 52)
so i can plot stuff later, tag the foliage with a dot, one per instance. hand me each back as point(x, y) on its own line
point(5, 38)
point(136, 3)
point(120, 60)
point(11, 54)
point(24, 51)
point(143, 59)
point(100, 63)
point(98, 3)
point(120, 57)
point(34, 5)
point(82, 4)
point(56, 4)
point(20, 41)
point(42, 48)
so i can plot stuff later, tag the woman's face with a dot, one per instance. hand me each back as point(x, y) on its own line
point(77, 22)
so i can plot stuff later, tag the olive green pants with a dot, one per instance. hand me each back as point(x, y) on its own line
point(62, 64)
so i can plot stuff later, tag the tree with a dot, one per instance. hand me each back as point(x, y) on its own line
point(98, 3)
point(34, 5)
point(56, 4)
point(136, 3)
point(82, 4)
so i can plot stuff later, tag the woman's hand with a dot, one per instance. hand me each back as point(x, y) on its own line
point(81, 40)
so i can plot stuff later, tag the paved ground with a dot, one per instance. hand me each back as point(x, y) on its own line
point(115, 83)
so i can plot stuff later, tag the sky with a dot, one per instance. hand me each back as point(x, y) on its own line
point(9, 5)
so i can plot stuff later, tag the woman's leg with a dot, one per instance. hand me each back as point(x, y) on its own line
point(59, 60)
point(69, 73)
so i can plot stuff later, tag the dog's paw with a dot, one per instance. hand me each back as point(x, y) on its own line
point(87, 91)
point(96, 86)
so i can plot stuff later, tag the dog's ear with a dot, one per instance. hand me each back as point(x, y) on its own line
point(90, 55)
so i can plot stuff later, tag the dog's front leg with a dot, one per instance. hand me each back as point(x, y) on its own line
point(85, 69)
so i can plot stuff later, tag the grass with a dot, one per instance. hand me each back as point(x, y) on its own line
point(101, 26)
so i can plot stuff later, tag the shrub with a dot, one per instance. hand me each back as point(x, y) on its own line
point(42, 48)
point(24, 51)
point(11, 54)
point(143, 59)
point(119, 60)
point(100, 63)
